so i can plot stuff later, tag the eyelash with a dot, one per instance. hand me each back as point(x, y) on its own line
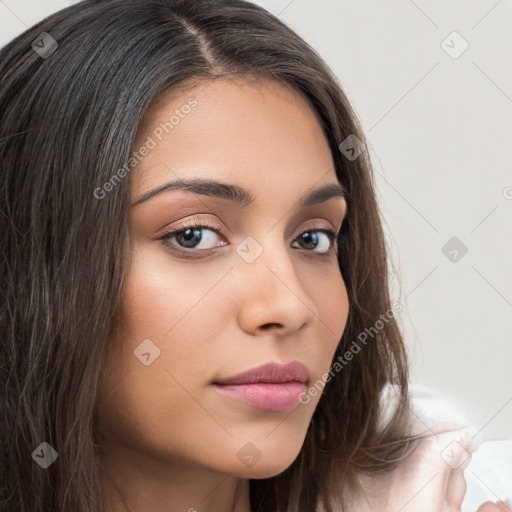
point(165, 239)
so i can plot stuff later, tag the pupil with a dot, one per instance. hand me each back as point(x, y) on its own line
point(191, 236)
point(311, 239)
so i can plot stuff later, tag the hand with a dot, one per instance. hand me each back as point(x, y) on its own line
point(490, 506)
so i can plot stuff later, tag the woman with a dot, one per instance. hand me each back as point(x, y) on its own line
point(195, 307)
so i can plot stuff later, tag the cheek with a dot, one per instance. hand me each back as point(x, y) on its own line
point(333, 303)
point(165, 300)
point(182, 313)
point(329, 293)
point(160, 351)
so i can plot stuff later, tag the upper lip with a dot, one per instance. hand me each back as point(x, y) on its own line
point(271, 373)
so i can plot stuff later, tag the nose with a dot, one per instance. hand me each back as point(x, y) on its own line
point(272, 295)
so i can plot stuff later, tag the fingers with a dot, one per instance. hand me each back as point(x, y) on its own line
point(490, 506)
point(456, 489)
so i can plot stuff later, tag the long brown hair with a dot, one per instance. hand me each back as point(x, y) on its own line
point(68, 122)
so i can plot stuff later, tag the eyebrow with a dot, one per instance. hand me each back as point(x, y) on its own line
point(237, 194)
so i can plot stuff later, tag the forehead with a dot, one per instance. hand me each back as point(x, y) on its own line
point(259, 135)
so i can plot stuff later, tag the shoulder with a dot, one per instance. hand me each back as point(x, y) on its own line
point(431, 478)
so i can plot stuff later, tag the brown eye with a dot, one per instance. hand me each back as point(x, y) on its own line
point(187, 238)
point(317, 240)
point(200, 237)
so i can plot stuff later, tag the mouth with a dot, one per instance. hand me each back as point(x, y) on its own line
point(271, 387)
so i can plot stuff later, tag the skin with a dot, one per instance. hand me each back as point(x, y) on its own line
point(168, 439)
point(489, 506)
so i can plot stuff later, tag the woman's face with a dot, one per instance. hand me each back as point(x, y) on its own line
point(259, 284)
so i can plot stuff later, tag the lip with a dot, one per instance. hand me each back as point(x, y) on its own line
point(276, 373)
point(271, 387)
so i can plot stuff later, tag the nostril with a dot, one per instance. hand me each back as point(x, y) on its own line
point(271, 325)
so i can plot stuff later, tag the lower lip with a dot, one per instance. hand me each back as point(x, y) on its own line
point(265, 395)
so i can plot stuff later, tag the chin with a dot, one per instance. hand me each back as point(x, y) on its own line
point(262, 471)
point(261, 466)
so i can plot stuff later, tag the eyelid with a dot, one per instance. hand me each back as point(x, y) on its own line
point(195, 222)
